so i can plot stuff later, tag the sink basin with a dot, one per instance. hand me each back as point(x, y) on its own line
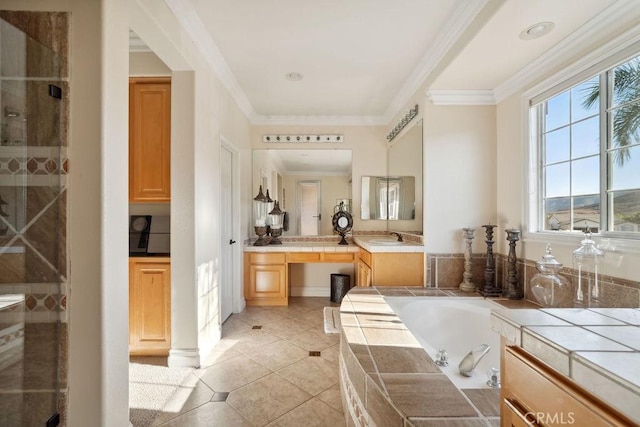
point(385, 242)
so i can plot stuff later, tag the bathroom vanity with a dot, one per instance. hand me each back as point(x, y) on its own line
point(266, 268)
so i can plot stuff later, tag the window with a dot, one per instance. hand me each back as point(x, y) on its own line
point(588, 149)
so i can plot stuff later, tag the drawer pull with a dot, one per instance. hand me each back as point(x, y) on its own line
point(522, 417)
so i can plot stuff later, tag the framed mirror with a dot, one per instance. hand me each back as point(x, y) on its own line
point(307, 183)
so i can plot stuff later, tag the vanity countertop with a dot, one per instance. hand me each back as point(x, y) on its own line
point(598, 348)
point(387, 243)
point(381, 243)
point(297, 246)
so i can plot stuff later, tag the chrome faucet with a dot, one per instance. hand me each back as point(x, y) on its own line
point(397, 234)
point(469, 362)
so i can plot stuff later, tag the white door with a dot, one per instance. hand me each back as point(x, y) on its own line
point(309, 206)
point(226, 231)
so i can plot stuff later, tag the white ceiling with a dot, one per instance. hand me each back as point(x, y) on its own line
point(362, 60)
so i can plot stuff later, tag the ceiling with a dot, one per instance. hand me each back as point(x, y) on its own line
point(362, 60)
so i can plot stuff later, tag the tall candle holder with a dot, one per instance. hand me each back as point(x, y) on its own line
point(490, 289)
point(467, 285)
point(512, 291)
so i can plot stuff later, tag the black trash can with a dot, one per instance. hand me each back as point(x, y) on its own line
point(340, 285)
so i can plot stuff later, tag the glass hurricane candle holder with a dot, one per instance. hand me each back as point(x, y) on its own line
point(548, 287)
point(586, 262)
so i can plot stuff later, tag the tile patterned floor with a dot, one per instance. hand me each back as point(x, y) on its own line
point(270, 378)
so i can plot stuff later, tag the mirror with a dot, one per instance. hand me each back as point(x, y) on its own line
point(405, 158)
point(308, 183)
point(388, 197)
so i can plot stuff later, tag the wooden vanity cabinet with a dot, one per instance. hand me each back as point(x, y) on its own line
point(149, 140)
point(149, 306)
point(363, 269)
point(265, 279)
point(533, 394)
point(390, 269)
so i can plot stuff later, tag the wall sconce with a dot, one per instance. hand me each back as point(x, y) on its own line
point(402, 123)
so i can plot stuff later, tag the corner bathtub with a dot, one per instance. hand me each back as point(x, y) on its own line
point(457, 325)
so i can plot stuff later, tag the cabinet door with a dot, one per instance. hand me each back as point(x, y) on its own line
point(363, 274)
point(149, 308)
point(267, 284)
point(397, 269)
point(149, 140)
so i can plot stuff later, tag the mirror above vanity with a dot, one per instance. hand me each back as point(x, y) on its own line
point(397, 197)
point(308, 183)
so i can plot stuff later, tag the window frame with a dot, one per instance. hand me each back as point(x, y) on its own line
point(598, 63)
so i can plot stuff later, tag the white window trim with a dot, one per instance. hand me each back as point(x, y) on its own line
point(621, 48)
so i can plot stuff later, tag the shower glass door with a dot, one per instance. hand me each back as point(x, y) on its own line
point(32, 219)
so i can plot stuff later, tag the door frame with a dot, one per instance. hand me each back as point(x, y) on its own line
point(238, 301)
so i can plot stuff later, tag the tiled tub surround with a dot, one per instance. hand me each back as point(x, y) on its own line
point(388, 379)
point(445, 270)
point(599, 348)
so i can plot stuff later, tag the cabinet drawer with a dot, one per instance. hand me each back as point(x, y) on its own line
point(267, 258)
point(305, 256)
point(338, 257)
point(550, 396)
point(365, 256)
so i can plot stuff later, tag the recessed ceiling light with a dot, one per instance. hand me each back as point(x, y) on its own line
point(293, 76)
point(537, 30)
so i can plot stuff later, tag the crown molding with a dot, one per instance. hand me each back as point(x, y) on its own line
point(620, 13)
point(319, 120)
point(458, 22)
point(136, 45)
point(193, 26)
point(461, 97)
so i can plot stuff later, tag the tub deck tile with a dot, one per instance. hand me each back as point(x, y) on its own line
point(449, 422)
point(390, 359)
point(427, 395)
point(487, 400)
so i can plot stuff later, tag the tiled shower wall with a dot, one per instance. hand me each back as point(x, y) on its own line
point(33, 173)
point(445, 271)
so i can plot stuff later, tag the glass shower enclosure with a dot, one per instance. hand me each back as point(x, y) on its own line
point(33, 262)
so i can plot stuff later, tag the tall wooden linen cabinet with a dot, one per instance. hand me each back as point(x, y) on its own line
point(149, 182)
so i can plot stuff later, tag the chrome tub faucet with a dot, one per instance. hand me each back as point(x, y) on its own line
point(397, 234)
point(469, 362)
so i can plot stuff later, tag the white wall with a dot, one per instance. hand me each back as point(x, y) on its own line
point(459, 175)
point(147, 64)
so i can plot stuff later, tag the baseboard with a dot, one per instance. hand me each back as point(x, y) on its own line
point(311, 291)
point(184, 358)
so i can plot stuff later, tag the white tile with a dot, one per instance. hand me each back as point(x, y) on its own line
point(610, 391)
point(622, 367)
point(530, 317)
point(625, 335)
point(545, 351)
point(573, 338)
point(582, 316)
point(627, 315)
point(505, 329)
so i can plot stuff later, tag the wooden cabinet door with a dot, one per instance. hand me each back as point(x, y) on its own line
point(265, 279)
point(149, 140)
point(363, 274)
point(397, 269)
point(149, 308)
